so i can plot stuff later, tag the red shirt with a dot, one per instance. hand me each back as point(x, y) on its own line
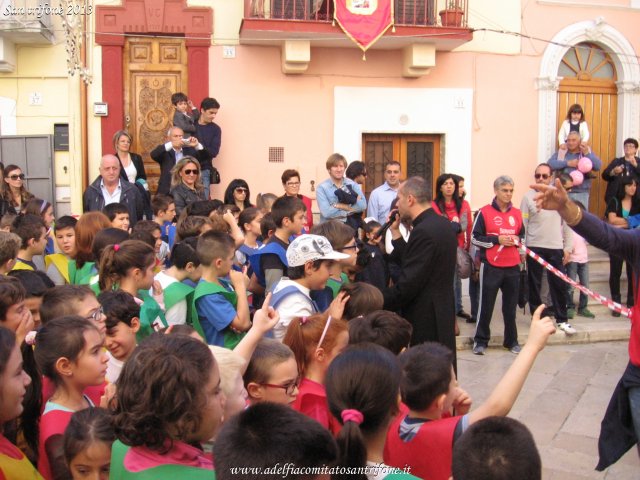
point(312, 401)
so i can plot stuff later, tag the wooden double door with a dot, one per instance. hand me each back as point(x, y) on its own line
point(419, 155)
point(154, 69)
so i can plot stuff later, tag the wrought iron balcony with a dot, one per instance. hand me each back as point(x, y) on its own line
point(412, 13)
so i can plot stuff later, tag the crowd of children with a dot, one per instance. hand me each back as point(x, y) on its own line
point(229, 337)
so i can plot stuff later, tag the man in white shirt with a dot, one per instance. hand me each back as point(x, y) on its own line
point(381, 198)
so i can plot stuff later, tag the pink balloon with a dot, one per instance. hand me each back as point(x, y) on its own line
point(585, 165)
point(577, 177)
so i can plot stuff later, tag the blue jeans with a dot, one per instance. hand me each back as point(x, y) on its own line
point(205, 176)
point(582, 197)
point(457, 289)
point(580, 271)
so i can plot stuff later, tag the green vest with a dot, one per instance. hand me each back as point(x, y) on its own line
point(231, 338)
point(161, 472)
point(336, 285)
point(151, 316)
point(82, 276)
point(177, 292)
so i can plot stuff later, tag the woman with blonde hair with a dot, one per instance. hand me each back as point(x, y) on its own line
point(186, 183)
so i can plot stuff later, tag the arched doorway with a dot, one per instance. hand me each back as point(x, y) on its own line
point(627, 69)
point(589, 78)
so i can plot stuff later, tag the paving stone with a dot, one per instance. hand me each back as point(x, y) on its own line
point(562, 403)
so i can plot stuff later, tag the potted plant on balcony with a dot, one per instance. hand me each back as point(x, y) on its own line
point(452, 15)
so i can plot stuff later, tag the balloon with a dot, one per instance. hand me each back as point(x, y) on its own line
point(577, 177)
point(585, 165)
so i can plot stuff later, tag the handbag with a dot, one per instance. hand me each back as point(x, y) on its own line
point(215, 175)
point(464, 263)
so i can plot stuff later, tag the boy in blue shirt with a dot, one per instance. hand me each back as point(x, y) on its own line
point(221, 295)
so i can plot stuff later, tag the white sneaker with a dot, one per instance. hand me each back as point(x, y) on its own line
point(566, 328)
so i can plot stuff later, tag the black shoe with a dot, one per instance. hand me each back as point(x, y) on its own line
point(463, 314)
point(470, 320)
point(615, 314)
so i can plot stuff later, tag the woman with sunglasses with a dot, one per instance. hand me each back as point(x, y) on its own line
point(14, 190)
point(237, 193)
point(186, 184)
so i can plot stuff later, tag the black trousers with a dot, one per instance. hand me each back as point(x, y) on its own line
point(492, 279)
point(557, 286)
point(615, 270)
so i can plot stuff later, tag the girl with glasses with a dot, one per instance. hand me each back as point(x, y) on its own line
point(237, 193)
point(14, 190)
point(186, 184)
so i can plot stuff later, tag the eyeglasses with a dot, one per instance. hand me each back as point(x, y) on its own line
point(96, 314)
point(289, 388)
point(242, 190)
point(543, 176)
point(191, 172)
point(16, 177)
point(350, 247)
point(292, 184)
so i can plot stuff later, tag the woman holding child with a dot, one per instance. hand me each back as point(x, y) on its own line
point(186, 183)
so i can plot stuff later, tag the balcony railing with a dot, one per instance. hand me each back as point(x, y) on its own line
point(406, 12)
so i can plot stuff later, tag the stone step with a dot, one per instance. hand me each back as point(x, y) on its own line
point(603, 328)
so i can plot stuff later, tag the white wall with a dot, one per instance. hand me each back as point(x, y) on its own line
point(407, 111)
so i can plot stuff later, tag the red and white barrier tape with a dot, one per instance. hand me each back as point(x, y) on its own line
point(607, 302)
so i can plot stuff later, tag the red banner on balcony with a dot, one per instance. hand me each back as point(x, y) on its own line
point(364, 21)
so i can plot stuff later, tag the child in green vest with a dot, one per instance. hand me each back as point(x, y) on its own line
point(220, 298)
point(58, 263)
point(178, 296)
point(129, 266)
point(33, 233)
point(9, 247)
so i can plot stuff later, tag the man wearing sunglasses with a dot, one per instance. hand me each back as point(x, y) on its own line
point(550, 237)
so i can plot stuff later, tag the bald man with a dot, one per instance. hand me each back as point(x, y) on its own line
point(110, 188)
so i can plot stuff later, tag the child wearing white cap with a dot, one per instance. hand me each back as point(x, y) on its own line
point(309, 258)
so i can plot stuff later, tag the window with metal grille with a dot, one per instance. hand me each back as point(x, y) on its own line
point(276, 154)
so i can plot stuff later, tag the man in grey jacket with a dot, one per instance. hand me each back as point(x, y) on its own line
point(110, 188)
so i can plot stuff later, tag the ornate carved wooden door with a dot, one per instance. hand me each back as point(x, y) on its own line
point(419, 155)
point(154, 69)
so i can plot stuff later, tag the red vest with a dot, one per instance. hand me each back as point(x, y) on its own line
point(429, 453)
point(634, 338)
point(502, 223)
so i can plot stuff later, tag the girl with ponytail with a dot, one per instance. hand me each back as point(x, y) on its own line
point(315, 341)
point(363, 388)
point(129, 266)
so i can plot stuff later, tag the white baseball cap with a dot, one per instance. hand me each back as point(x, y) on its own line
point(308, 248)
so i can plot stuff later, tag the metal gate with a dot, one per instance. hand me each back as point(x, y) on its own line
point(34, 155)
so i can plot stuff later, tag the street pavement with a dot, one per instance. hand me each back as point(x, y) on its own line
point(562, 402)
